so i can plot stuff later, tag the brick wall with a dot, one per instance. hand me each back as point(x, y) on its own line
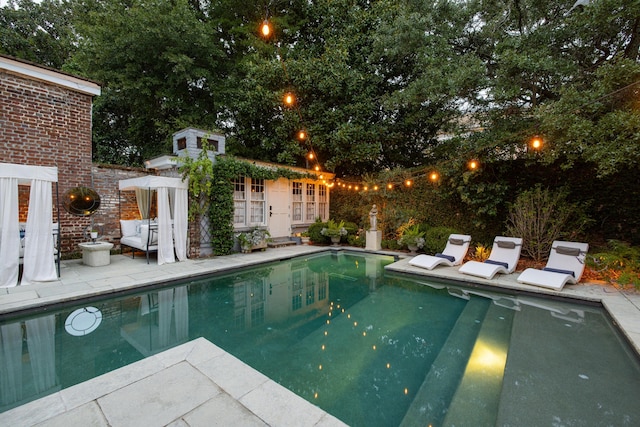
point(42, 124)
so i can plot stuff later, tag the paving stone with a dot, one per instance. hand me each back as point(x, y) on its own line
point(222, 410)
point(85, 415)
point(158, 399)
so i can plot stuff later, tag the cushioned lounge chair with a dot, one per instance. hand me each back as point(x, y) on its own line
point(503, 259)
point(453, 253)
point(565, 265)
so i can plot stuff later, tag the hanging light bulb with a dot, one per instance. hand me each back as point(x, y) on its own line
point(289, 99)
point(311, 156)
point(265, 30)
point(433, 176)
point(302, 135)
point(390, 186)
point(317, 168)
point(408, 183)
point(473, 164)
point(375, 188)
point(536, 142)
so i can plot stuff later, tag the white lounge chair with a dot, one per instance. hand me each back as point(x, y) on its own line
point(452, 255)
point(503, 259)
point(565, 265)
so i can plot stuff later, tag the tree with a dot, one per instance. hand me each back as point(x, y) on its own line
point(161, 66)
point(38, 32)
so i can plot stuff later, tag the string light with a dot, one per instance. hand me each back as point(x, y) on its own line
point(302, 135)
point(433, 176)
point(473, 164)
point(408, 183)
point(536, 143)
point(289, 99)
point(265, 29)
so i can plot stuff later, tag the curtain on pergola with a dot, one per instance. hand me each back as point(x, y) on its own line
point(168, 241)
point(38, 258)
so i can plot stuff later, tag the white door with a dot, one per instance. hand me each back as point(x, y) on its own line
point(278, 212)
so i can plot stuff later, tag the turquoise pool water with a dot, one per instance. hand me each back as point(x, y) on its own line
point(371, 348)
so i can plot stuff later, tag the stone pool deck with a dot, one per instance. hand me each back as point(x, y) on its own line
point(197, 383)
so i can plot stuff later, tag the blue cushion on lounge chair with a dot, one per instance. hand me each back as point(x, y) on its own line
point(504, 264)
point(558, 270)
point(449, 257)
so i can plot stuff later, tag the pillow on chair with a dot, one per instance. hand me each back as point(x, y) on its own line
point(128, 227)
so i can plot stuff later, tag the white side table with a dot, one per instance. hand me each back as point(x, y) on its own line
point(96, 254)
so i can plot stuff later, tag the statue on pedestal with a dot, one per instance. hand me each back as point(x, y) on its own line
point(373, 213)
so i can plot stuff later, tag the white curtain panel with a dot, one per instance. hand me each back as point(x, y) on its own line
point(180, 222)
point(38, 260)
point(11, 366)
point(42, 351)
point(165, 237)
point(9, 233)
point(143, 198)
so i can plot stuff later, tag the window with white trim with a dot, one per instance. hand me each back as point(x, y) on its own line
point(296, 195)
point(239, 202)
point(323, 202)
point(311, 202)
point(249, 207)
point(258, 201)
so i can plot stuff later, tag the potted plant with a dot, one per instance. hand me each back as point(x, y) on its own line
point(412, 238)
point(253, 239)
point(334, 231)
point(304, 237)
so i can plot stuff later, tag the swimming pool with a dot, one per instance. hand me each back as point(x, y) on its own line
point(370, 348)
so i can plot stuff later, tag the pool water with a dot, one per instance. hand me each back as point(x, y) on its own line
point(370, 347)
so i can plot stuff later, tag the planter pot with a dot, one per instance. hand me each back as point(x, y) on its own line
point(413, 248)
point(249, 248)
point(335, 240)
point(305, 240)
point(94, 234)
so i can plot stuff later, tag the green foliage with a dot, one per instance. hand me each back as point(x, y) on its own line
point(315, 233)
point(199, 173)
point(411, 236)
point(620, 263)
point(391, 244)
point(541, 216)
point(356, 240)
point(435, 239)
point(334, 229)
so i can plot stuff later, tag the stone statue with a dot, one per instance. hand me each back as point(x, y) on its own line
point(373, 213)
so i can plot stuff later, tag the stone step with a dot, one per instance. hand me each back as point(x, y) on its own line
point(477, 398)
point(429, 407)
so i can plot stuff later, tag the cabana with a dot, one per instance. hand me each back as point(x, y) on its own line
point(37, 243)
point(158, 235)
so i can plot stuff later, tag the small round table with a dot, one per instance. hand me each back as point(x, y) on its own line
point(96, 254)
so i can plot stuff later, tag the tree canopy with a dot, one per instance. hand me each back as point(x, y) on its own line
point(379, 85)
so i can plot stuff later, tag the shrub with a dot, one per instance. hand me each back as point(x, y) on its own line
point(541, 216)
point(619, 264)
point(435, 239)
point(356, 240)
point(315, 233)
point(391, 244)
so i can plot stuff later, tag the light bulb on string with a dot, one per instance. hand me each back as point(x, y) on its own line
point(536, 143)
point(473, 164)
point(408, 183)
point(302, 135)
point(310, 156)
point(265, 29)
point(390, 186)
point(289, 99)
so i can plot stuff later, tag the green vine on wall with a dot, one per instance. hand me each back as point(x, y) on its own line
point(213, 182)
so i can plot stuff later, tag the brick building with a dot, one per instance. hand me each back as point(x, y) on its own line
point(45, 120)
